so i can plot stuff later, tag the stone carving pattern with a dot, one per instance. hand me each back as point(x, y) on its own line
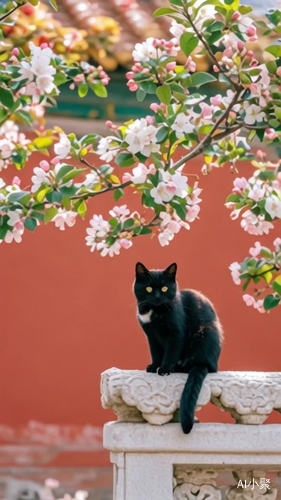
point(200, 484)
point(189, 491)
point(195, 484)
point(249, 396)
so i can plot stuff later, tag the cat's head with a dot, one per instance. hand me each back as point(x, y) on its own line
point(155, 287)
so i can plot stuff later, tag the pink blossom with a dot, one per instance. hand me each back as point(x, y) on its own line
point(271, 134)
point(130, 75)
point(277, 244)
point(44, 165)
point(64, 217)
point(79, 78)
point(16, 180)
point(254, 224)
point(240, 45)
point(255, 251)
point(190, 64)
point(192, 213)
point(125, 243)
point(111, 125)
point(240, 183)
point(236, 15)
point(72, 86)
point(248, 299)
point(120, 212)
point(52, 483)
point(132, 85)
point(235, 269)
point(15, 52)
point(171, 66)
point(154, 106)
point(216, 100)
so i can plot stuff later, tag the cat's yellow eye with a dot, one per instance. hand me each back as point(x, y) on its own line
point(164, 288)
point(149, 289)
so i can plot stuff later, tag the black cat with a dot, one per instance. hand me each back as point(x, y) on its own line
point(183, 331)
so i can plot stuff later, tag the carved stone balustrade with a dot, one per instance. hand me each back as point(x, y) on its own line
point(215, 461)
point(137, 396)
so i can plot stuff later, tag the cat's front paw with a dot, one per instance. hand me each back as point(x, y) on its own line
point(164, 370)
point(152, 368)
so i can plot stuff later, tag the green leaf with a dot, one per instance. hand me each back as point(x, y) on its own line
point(53, 4)
point(277, 286)
point(118, 193)
point(99, 89)
point(18, 196)
point(60, 79)
point(163, 11)
point(180, 209)
point(30, 223)
point(50, 213)
point(54, 197)
point(40, 196)
point(6, 97)
point(145, 230)
point(270, 302)
point(80, 207)
point(140, 95)
point(19, 157)
point(275, 50)
point(164, 94)
point(199, 79)
point(233, 198)
point(125, 159)
point(274, 17)
point(162, 134)
point(63, 171)
point(188, 42)
point(73, 173)
point(83, 89)
point(128, 223)
point(24, 116)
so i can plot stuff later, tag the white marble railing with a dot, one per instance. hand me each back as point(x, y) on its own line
point(215, 461)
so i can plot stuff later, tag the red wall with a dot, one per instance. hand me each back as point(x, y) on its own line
point(68, 314)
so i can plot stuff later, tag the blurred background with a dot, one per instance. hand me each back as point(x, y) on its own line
point(68, 314)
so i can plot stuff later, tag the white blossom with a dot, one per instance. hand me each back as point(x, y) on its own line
point(253, 113)
point(64, 218)
point(182, 125)
point(273, 206)
point(141, 138)
point(107, 148)
point(63, 147)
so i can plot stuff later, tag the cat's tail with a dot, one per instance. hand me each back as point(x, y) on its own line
point(190, 395)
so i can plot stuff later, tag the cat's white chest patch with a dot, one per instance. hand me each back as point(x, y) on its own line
point(145, 318)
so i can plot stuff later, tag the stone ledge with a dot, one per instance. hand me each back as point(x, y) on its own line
point(214, 444)
point(137, 396)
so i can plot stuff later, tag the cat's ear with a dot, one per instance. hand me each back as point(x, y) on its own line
point(141, 270)
point(171, 270)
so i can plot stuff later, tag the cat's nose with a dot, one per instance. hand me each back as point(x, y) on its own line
point(157, 294)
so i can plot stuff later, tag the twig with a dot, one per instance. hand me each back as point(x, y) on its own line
point(7, 14)
point(208, 138)
point(207, 48)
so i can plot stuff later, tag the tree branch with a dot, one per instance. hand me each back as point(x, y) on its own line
point(209, 137)
point(7, 14)
point(207, 48)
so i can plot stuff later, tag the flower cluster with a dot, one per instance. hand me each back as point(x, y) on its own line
point(109, 237)
point(262, 267)
point(260, 195)
point(12, 142)
point(39, 72)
